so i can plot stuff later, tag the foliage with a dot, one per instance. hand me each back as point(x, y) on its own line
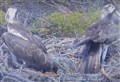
point(2, 18)
point(118, 1)
point(75, 20)
point(66, 24)
point(40, 27)
point(5, 3)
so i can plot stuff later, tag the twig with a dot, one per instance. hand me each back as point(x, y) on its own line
point(107, 75)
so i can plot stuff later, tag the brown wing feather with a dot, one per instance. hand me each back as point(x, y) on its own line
point(27, 34)
point(40, 44)
point(101, 32)
point(91, 58)
point(28, 51)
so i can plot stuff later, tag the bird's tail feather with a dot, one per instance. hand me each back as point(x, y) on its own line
point(84, 42)
point(90, 62)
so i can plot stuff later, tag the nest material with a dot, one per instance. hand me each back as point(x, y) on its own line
point(62, 51)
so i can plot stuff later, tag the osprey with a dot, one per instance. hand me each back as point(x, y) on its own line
point(97, 39)
point(24, 45)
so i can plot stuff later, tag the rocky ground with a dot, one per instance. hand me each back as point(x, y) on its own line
point(62, 51)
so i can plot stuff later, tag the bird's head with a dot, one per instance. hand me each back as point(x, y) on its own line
point(11, 14)
point(108, 9)
point(111, 11)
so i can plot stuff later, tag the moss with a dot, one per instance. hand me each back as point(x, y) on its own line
point(2, 18)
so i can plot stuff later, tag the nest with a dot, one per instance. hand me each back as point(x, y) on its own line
point(62, 51)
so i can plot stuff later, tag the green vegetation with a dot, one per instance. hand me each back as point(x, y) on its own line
point(2, 18)
point(6, 2)
point(72, 21)
point(3, 4)
point(66, 24)
point(40, 27)
point(118, 1)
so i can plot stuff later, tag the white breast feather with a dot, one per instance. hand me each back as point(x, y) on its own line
point(16, 33)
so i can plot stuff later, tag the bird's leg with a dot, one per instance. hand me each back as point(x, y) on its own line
point(21, 66)
point(104, 53)
point(105, 49)
point(13, 61)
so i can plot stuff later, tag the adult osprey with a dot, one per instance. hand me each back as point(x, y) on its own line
point(24, 45)
point(97, 40)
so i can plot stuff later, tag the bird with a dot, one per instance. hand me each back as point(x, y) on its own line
point(97, 39)
point(24, 46)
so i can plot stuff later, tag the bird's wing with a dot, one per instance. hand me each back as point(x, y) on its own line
point(27, 34)
point(39, 43)
point(90, 34)
point(90, 62)
point(26, 50)
point(101, 32)
point(107, 33)
point(93, 32)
